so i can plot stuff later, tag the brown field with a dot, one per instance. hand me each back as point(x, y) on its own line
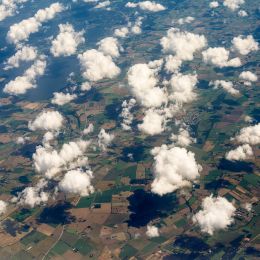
point(46, 229)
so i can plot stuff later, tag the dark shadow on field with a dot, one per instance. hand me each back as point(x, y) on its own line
point(26, 150)
point(235, 166)
point(146, 206)
point(192, 243)
point(112, 111)
point(57, 214)
point(92, 95)
point(182, 256)
point(218, 184)
point(137, 152)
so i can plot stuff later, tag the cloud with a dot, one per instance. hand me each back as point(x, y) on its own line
point(172, 64)
point(249, 135)
point(77, 182)
point(226, 85)
point(121, 32)
point(109, 46)
point(245, 45)
point(152, 231)
point(219, 57)
point(126, 114)
point(217, 213)
point(213, 4)
point(9, 8)
point(142, 81)
point(187, 19)
point(21, 31)
point(67, 41)
point(89, 129)
point(3, 207)
point(182, 87)
point(102, 4)
point(183, 138)
point(21, 84)
point(146, 6)
point(153, 123)
point(233, 4)
point(62, 98)
point(174, 168)
point(97, 66)
point(248, 76)
point(85, 86)
point(242, 13)
point(47, 120)
point(241, 153)
point(22, 140)
point(182, 44)
point(25, 53)
point(104, 139)
point(136, 28)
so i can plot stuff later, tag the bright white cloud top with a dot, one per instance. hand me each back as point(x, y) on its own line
point(147, 6)
point(226, 85)
point(152, 231)
point(61, 99)
point(109, 46)
point(3, 207)
point(241, 153)
point(233, 4)
point(245, 45)
point(9, 8)
point(249, 135)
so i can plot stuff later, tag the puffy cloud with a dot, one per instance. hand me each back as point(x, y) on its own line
point(22, 140)
point(136, 28)
point(182, 87)
point(109, 46)
point(172, 63)
point(26, 53)
point(62, 98)
point(248, 119)
point(182, 44)
point(89, 129)
point(213, 4)
point(121, 32)
point(142, 81)
point(67, 41)
point(241, 153)
point(249, 135)
point(245, 45)
point(183, 138)
point(174, 168)
point(47, 120)
point(9, 7)
point(22, 30)
point(233, 4)
point(21, 84)
point(226, 85)
point(152, 231)
point(126, 114)
point(104, 139)
point(102, 4)
point(85, 86)
point(3, 207)
point(248, 206)
point(248, 76)
point(97, 66)
point(146, 6)
point(242, 13)
point(187, 19)
point(77, 182)
point(216, 213)
point(153, 123)
point(219, 56)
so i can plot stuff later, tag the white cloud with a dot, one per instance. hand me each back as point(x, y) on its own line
point(248, 119)
point(89, 129)
point(248, 76)
point(142, 81)
point(146, 6)
point(172, 63)
point(62, 98)
point(9, 8)
point(233, 4)
point(245, 45)
point(126, 114)
point(216, 214)
point(22, 140)
point(174, 168)
point(47, 120)
point(249, 135)
point(3, 207)
point(97, 66)
point(213, 4)
point(104, 139)
point(182, 87)
point(136, 28)
point(21, 31)
point(109, 46)
point(183, 138)
point(187, 19)
point(219, 56)
point(102, 4)
point(77, 182)
point(247, 206)
point(153, 123)
point(152, 231)
point(121, 32)
point(67, 41)
point(26, 53)
point(242, 13)
point(241, 153)
point(226, 85)
point(21, 84)
point(85, 86)
point(182, 44)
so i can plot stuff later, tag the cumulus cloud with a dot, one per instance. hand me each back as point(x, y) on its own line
point(21, 31)
point(102, 4)
point(62, 98)
point(67, 41)
point(226, 85)
point(97, 66)
point(85, 86)
point(152, 231)
point(47, 120)
point(121, 32)
point(146, 6)
point(245, 45)
point(248, 77)
point(233, 4)
point(183, 138)
point(89, 129)
point(104, 139)
point(249, 135)
point(153, 123)
point(126, 114)
point(3, 207)
point(241, 153)
point(136, 27)
point(219, 57)
point(109, 46)
point(182, 87)
point(22, 140)
point(77, 182)
point(21, 84)
point(26, 53)
point(174, 168)
point(187, 19)
point(142, 81)
point(213, 4)
point(216, 214)
point(9, 7)
point(172, 63)
point(182, 44)
point(242, 13)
